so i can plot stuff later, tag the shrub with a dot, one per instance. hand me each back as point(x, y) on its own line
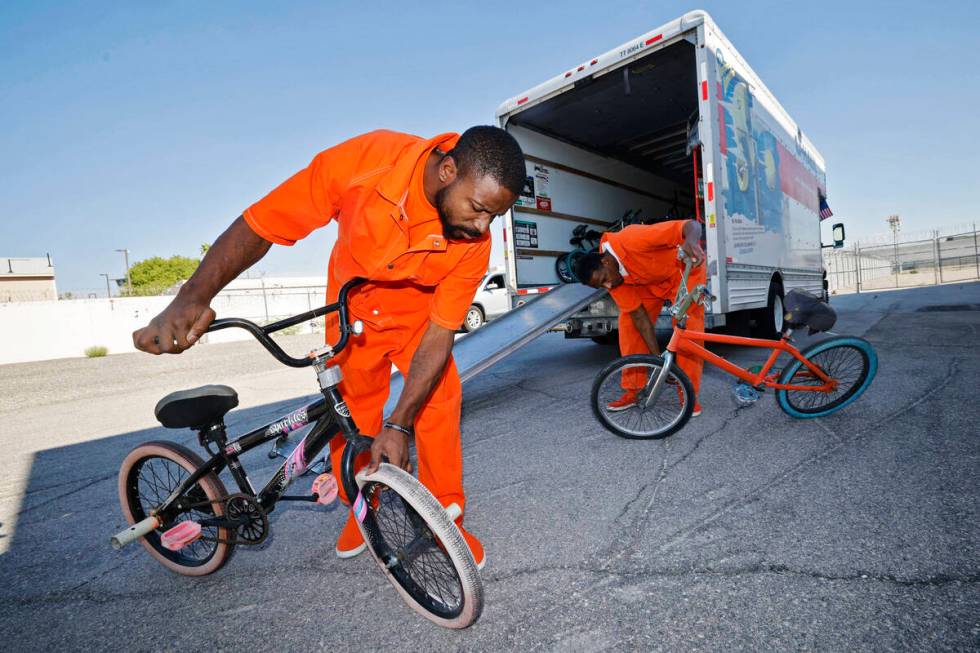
point(98, 351)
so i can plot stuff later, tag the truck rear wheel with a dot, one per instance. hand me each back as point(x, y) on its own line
point(769, 320)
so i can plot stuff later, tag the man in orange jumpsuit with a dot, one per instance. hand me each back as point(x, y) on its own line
point(640, 268)
point(413, 218)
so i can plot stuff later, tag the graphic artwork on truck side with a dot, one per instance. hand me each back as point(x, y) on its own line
point(768, 192)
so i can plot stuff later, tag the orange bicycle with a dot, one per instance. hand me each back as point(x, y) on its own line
point(822, 379)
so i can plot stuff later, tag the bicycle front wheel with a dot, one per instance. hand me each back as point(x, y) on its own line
point(641, 420)
point(419, 549)
point(852, 362)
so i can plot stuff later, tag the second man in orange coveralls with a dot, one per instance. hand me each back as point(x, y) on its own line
point(639, 267)
point(413, 218)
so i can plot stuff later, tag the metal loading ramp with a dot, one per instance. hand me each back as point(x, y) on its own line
point(500, 338)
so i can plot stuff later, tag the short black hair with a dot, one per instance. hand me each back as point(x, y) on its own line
point(487, 150)
point(586, 266)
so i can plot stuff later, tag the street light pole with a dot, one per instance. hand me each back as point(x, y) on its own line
point(108, 291)
point(129, 280)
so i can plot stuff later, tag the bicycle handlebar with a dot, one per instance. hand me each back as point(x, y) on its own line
point(261, 333)
point(685, 297)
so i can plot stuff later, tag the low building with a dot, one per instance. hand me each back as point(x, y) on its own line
point(27, 280)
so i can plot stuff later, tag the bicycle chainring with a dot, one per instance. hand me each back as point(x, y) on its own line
point(254, 526)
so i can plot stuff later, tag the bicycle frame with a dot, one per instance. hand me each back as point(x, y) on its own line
point(682, 341)
point(329, 415)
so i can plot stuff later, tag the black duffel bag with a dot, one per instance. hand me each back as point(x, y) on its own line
point(806, 309)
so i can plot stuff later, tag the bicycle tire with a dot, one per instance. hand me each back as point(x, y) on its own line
point(790, 401)
point(563, 268)
point(450, 543)
point(215, 554)
point(651, 360)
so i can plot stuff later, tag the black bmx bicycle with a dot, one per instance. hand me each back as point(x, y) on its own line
point(178, 507)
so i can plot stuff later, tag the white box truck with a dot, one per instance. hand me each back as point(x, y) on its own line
point(672, 124)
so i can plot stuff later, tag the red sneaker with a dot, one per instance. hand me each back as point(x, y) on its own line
point(628, 400)
point(697, 410)
point(351, 542)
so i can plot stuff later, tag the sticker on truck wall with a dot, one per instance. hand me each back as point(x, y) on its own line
point(542, 193)
point(527, 194)
point(525, 234)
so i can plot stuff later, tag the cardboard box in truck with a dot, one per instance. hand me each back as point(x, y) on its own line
point(672, 124)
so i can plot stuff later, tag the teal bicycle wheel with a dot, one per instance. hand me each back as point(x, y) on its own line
point(852, 362)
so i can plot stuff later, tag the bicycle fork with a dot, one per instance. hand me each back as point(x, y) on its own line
point(655, 385)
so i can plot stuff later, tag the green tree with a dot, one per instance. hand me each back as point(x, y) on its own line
point(155, 275)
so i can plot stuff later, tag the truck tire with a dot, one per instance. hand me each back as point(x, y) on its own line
point(769, 320)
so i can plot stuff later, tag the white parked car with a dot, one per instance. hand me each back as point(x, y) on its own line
point(491, 300)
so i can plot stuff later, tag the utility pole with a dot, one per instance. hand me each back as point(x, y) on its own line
point(108, 291)
point(895, 223)
point(129, 280)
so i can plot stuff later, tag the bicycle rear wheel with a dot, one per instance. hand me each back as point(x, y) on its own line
point(419, 548)
point(148, 475)
point(852, 362)
point(657, 420)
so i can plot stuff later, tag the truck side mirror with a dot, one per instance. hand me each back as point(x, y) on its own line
point(838, 235)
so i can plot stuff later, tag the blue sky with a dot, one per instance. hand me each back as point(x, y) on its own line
point(152, 125)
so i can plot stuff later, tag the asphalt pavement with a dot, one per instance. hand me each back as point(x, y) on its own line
point(746, 530)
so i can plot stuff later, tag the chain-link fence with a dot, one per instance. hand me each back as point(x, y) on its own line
point(940, 259)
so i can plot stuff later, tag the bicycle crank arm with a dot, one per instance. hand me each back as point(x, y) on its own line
point(134, 532)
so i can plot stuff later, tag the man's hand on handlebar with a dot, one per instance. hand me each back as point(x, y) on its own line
point(394, 446)
point(176, 329)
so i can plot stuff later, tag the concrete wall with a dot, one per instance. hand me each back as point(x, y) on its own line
point(44, 330)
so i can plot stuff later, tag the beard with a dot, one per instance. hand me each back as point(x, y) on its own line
point(450, 230)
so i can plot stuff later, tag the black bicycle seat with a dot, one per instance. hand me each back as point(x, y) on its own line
point(806, 309)
point(197, 407)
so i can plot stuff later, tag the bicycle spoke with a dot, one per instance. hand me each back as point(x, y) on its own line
point(430, 569)
point(643, 421)
point(157, 478)
point(844, 364)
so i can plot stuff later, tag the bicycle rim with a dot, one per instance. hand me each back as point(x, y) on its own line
point(642, 420)
point(847, 364)
point(421, 551)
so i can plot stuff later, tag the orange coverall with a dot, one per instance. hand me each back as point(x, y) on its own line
point(389, 233)
point(647, 256)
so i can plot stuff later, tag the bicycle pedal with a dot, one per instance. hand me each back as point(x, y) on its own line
point(325, 487)
point(181, 535)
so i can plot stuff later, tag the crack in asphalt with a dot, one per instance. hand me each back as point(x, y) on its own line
point(793, 471)
point(950, 373)
point(633, 577)
point(619, 547)
point(58, 497)
point(728, 419)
